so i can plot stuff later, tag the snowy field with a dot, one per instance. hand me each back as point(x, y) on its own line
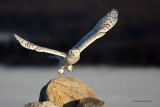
point(118, 87)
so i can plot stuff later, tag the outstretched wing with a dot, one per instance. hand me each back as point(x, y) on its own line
point(105, 24)
point(31, 46)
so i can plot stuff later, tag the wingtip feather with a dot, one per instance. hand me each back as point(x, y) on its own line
point(16, 36)
point(114, 12)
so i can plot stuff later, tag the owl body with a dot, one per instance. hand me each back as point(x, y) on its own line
point(73, 56)
point(69, 61)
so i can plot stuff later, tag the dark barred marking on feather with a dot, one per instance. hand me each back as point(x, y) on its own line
point(111, 22)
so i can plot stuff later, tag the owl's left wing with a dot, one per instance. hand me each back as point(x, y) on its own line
point(105, 24)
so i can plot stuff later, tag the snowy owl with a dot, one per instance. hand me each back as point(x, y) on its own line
point(71, 57)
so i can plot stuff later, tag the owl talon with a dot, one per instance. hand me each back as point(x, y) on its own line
point(70, 68)
point(61, 71)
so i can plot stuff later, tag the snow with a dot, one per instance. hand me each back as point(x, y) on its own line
point(117, 86)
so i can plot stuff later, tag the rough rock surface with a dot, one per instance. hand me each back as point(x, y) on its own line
point(65, 90)
point(42, 104)
point(91, 102)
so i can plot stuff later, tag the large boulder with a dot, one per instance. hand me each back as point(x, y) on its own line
point(66, 90)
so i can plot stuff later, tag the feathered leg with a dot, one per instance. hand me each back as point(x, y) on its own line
point(61, 71)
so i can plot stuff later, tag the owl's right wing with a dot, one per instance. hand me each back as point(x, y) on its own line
point(31, 46)
point(105, 24)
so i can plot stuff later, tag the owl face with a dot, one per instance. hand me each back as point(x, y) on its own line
point(74, 53)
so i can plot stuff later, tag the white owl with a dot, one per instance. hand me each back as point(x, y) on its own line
point(71, 57)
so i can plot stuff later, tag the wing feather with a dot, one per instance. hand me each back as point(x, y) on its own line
point(31, 46)
point(105, 24)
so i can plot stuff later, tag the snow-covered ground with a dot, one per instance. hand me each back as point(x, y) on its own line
point(118, 87)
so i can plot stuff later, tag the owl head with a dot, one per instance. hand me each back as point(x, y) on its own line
point(74, 53)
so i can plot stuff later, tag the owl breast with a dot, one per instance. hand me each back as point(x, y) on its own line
point(69, 61)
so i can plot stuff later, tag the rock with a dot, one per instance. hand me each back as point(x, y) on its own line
point(66, 90)
point(42, 104)
point(33, 104)
point(91, 102)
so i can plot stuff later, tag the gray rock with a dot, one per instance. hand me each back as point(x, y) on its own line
point(42, 104)
point(91, 102)
point(33, 104)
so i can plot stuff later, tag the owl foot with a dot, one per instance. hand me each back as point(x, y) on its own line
point(70, 68)
point(61, 71)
